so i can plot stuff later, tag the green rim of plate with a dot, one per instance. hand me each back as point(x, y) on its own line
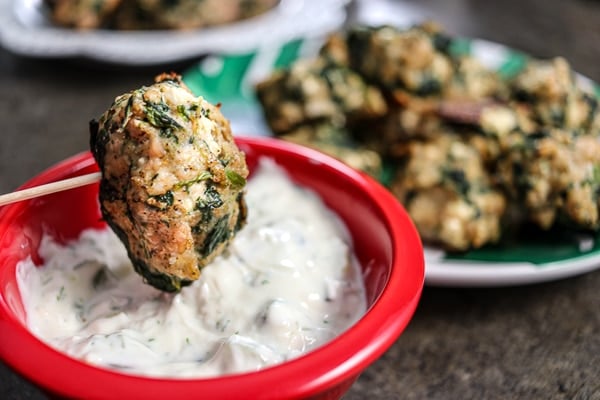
point(535, 247)
point(221, 78)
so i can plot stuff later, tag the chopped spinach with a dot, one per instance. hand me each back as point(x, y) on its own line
point(219, 234)
point(430, 85)
point(204, 175)
point(128, 110)
point(99, 138)
point(164, 200)
point(458, 179)
point(181, 110)
point(237, 181)
point(157, 114)
point(212, 199)
point(441, 42)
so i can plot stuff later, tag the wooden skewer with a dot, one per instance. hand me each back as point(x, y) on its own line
point(48, 188)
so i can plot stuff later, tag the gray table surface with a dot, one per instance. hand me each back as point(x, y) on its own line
point(530, 342)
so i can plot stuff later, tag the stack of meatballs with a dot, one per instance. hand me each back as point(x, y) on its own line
point(469, 153)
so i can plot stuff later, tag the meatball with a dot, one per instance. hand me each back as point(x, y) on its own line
point(172, 180)
point(448, 193)
point(318, 90)
point(551, 89)
point(314, 101)
point(549, 149)
point(556, 176)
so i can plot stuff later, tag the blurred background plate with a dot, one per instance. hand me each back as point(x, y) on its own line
point(25, 30)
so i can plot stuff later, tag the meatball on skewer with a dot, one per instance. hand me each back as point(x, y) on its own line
point(172, 180)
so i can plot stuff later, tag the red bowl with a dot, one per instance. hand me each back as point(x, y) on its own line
point(386, 243)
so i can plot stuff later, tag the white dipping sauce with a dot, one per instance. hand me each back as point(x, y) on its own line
point(287, 284)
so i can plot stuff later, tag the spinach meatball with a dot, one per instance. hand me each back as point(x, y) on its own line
point(172, 180)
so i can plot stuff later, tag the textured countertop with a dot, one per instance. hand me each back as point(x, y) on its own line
point(531, 342)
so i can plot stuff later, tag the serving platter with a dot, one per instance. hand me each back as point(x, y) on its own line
point(533, 258)
point(26, 30)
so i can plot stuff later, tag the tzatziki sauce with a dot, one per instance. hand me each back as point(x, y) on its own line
point(287, 284)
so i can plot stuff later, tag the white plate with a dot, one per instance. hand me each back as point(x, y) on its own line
point(25, 30)
point(470, 273)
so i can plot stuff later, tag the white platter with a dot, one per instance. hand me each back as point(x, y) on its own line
point(25, 30)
